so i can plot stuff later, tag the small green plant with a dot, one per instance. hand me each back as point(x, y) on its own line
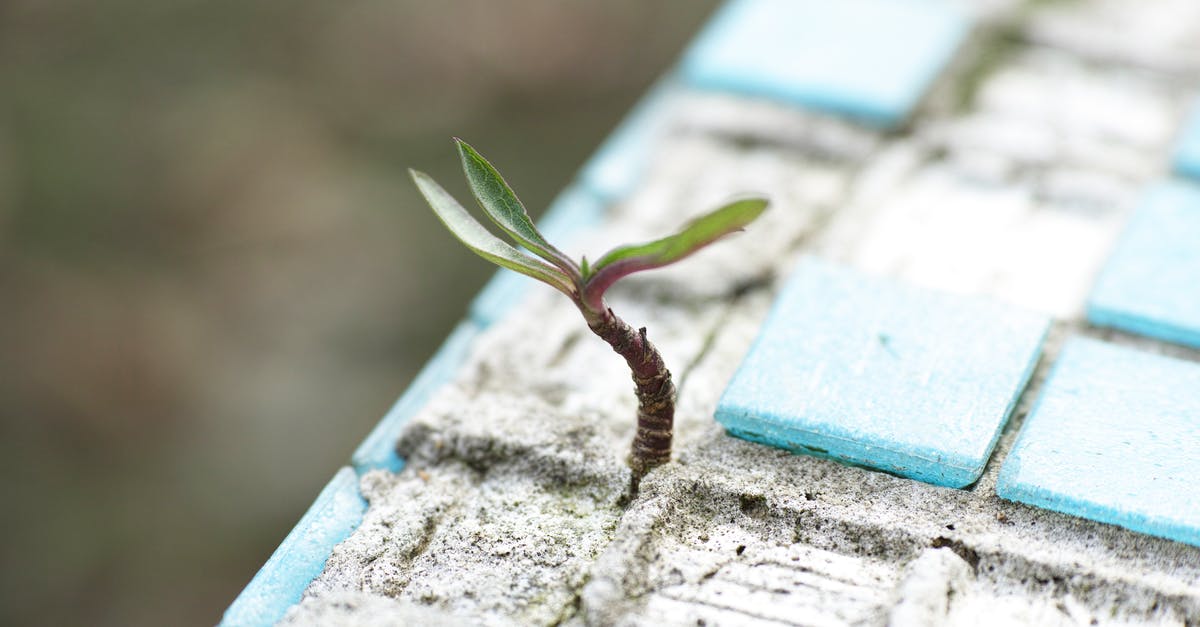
point(585, 284)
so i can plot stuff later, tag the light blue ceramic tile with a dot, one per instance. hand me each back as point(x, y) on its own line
point(379, 449)
point(301, 557)
point(1187, 151)
point(880, 374)
point(574, 211)
point(617, 167)
point(1114, 438)
point(868, 59)
point(1151, 284)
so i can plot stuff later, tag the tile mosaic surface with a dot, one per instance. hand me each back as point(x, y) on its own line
point(869, 59)
point(1113, 438)
point(881, 374)
point(1151, 284)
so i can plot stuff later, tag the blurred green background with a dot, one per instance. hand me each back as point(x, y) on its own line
point(215, 275)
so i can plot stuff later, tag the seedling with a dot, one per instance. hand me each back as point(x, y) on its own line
point(585, 283)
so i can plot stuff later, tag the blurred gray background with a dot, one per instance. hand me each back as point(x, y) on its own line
point(215, 275)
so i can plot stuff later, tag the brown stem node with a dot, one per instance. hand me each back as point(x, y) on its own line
point(655, 393)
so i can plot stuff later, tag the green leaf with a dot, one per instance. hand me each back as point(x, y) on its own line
point(481, 241)
point(695, 235)
point(504, 208)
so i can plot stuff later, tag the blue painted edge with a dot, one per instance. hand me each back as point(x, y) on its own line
point(617, 167)
point(264, 601)
point(1187, 151)
point(378, 450)
point(1139, 325)
point(573, 211)
point(280, 583)
point(920, 463)
point(906, 464)
point(339, 508)
point(612, 172)
point(1010, 488)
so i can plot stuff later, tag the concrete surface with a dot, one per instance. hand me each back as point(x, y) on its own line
point(1012, 181)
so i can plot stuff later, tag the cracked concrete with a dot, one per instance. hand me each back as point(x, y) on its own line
point(510, 511)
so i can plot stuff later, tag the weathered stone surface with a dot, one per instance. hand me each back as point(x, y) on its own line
point(509, 510)
point(501, 510)
point(1163, 35)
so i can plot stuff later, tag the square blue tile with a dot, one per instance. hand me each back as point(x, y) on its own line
point(868, 59)
point(378, 450)
point(573, 211)
point(880, 374)
point(1151, 283)
point(1187, 151)
point(1114, 437)
point(301, 556)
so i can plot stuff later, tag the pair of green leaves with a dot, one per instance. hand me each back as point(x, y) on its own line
point(585, 285)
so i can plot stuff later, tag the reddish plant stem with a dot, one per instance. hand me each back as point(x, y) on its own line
point(655, 393)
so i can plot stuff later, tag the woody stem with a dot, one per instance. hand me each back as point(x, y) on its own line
point(654, 388)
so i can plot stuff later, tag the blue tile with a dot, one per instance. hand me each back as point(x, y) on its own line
point(868, 59)
point(571, 213)
point(617, 167)
point(1151, 284)
point(1187, 151)
point(1113, 438)
point(379, 449)
point(880, 374)
point(279, 584)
